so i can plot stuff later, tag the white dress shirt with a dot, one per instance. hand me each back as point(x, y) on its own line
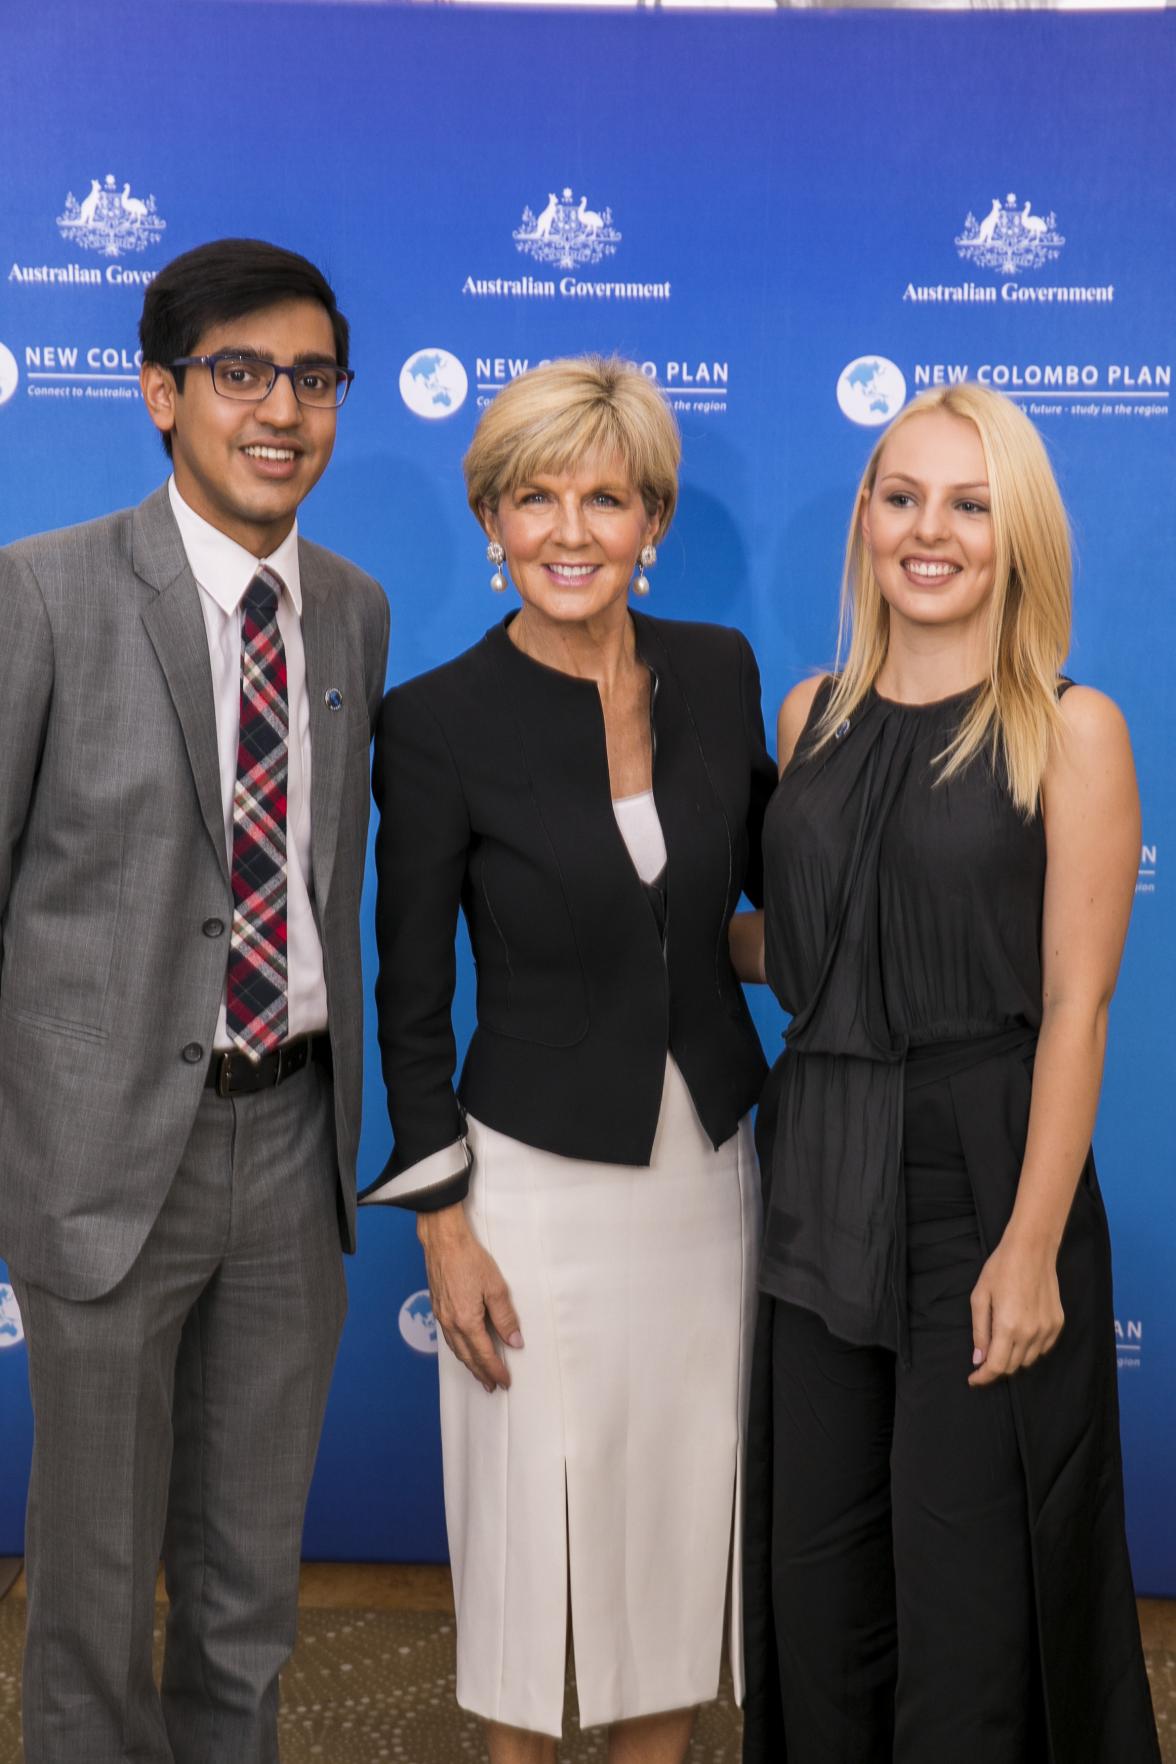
point(223, 571)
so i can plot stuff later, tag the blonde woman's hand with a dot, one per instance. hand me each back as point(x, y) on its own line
point(470, 1297)
point(1017, 1311)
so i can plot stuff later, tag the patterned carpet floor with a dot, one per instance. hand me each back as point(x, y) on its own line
point(376, 1687)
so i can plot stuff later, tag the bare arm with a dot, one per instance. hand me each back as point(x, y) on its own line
point(746, 930)
point(745, 935)
point(794, 714)
point(1090, 806)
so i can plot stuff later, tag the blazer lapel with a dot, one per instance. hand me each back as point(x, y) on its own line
point(175, 625)
point(325, 647)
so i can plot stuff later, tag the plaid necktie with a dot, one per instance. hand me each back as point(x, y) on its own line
point(255, 996)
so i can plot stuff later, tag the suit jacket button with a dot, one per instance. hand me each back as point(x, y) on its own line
point(193, 1053)
point(213, 927)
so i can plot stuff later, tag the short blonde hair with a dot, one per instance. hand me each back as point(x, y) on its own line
point(1016, 712)
point(552, 417)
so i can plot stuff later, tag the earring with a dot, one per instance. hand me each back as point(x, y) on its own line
point(496, 556)
point(646, 561)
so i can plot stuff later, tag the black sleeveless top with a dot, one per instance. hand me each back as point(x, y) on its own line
point(901, 914)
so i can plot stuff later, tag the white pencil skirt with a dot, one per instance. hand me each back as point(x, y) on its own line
point(607, 1480)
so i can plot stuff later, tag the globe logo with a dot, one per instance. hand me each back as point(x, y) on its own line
point(9, 374)
point(871, 390)
point(11, 1327)
point(433, 383)
point(417, 1323)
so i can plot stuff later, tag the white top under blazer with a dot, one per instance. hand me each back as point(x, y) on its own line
point(641, 831)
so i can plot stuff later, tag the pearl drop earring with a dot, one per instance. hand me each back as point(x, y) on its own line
point(496, 556)
point(646, 561)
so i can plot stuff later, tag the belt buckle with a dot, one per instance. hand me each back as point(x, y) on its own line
point(224, 1077)
point(279, 1063)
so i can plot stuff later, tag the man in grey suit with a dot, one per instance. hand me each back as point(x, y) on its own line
point(186, 696)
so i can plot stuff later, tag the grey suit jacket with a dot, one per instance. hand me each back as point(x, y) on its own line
point(113, 873)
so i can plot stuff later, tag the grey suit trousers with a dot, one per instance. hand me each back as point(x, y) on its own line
point(179, 1414)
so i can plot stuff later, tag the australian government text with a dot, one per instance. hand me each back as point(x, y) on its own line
point(566, 287)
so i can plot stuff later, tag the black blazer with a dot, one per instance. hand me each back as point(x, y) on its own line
point(491, 777)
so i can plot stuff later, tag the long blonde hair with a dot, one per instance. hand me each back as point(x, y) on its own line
point(1015, 713)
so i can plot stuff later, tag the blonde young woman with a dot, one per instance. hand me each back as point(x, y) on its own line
point(938, 1569)
point(587, 784)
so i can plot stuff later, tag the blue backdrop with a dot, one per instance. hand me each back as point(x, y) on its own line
point(794, 221)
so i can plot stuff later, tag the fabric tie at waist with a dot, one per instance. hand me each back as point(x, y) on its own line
point(831, 1141)
point(929, 1061)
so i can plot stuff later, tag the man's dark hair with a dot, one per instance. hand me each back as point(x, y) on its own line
point(227, 279)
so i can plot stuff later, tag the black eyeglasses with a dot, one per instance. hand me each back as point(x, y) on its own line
point(319, 384)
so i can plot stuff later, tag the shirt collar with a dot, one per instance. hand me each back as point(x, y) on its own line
point(225, 569)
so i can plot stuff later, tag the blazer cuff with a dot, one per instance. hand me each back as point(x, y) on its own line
point(431, 1183)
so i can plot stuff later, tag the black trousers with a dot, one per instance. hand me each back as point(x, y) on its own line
point(900, 1563)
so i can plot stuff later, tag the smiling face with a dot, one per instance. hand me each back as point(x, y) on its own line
point(928, 523)
point(247, 467)
point(572, 540)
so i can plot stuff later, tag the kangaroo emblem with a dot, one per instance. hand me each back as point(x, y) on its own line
point(544, 222)
point(988, 224)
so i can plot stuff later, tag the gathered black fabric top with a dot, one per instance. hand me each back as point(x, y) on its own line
point(901, 913)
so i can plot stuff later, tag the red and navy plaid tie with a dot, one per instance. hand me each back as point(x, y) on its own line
point(256, 995)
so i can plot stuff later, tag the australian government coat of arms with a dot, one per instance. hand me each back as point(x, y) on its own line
point(109, 219)
point(567, 232)
point(1010, 237)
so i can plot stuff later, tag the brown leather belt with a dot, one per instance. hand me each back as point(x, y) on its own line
point(235, 1074)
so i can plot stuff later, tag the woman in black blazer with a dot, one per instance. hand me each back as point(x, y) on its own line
point(587, 784)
